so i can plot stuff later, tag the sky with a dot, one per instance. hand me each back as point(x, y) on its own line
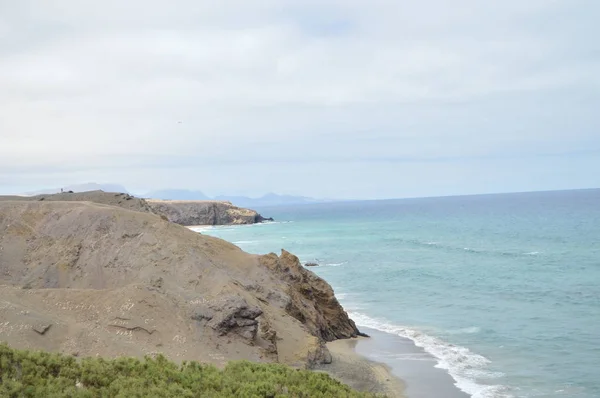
point(336, 99)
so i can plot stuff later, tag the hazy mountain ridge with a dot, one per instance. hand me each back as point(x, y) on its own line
point(269, 199)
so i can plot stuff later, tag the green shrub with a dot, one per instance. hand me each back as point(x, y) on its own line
point(42, 374)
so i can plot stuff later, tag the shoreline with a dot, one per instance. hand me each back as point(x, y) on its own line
point(409, 363)
point(360, 372)
point(391, 365)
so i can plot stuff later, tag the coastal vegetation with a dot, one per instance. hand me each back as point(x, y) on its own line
point(36, 373)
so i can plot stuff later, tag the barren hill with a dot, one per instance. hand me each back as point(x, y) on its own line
point(123, 200)
point(195, 212)
point(92, 279)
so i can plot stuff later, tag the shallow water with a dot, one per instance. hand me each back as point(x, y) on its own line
point(502, 289)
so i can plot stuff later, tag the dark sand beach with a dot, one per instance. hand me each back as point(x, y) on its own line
point(415, 367)
point(359, 372)
point(390, 365)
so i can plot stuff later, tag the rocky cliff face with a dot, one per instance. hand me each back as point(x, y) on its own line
point(204, 212)
point(312, 301)
point(89, 279)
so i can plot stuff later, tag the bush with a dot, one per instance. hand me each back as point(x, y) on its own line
point(42, 374)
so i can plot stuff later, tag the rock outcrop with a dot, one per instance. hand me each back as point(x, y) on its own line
point(312, 300)
point(204, 212)
point(231, 314)
point(89, 279)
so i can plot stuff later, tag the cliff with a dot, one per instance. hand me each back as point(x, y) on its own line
point(180, 212)
point(91, 279)
point(204, 212)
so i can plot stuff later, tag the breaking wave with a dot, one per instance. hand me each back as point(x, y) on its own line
point(465, 366)
point(471, 250)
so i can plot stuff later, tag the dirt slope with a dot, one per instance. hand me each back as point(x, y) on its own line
point(92, 279)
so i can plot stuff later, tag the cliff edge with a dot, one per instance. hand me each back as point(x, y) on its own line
point(193, 212)
point(204, 212)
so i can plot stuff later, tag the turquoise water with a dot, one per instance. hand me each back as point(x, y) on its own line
point(504, 290)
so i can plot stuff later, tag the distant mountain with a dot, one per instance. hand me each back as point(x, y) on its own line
point(176, 194)
point(270, 199)
point(91, 186)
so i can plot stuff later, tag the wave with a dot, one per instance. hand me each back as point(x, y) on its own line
point(465, 366)
point(268, 223)
point(441, 246)
point(230, 227)
point(334, 264)
point(244, 242)
point(321, 262)
point(201, 228)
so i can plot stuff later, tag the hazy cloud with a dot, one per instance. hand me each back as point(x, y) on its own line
point(334, 98)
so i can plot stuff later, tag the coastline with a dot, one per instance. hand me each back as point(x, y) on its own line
point(409, 363)
point(359, 372)
point(391, 365)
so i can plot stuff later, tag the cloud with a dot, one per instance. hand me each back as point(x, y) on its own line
point(153, 88)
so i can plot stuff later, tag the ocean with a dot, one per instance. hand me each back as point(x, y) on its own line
point(503, 291)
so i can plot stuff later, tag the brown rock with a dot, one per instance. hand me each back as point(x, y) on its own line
point(204, 212)
point(41, 327)
point(312, 300)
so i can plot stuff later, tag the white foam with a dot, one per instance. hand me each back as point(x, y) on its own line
point(201, 228)
point(334, 264)
point(463, 365)
point(244, 242)
point(408, 356)
point(266, 223)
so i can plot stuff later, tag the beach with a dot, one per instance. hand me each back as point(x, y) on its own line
point(415, 367)
point(390, 365)
point(359, 372)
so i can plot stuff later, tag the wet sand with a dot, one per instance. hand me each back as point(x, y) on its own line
point(359, 372)
point(391, 365)
point(415, 367)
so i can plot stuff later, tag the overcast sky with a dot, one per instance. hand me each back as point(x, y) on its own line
point(339, 99)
